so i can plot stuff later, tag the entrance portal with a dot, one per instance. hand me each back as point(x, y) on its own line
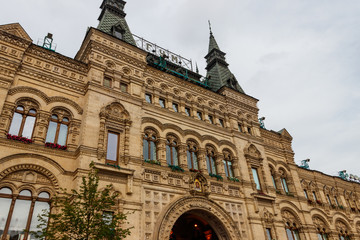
point(191, 226)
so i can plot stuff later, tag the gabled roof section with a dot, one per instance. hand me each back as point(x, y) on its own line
point(285, 133)
point(15, 29)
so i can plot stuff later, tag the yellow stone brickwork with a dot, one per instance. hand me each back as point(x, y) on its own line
point(156, 196)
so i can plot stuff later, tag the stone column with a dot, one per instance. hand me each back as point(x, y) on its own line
point(161, 151)
point(6, 116)
point(220, 165)
point(182, 157)
point(202, 161)
point(41, 126)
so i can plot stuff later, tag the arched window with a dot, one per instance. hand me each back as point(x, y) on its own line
point(172, 150)
point(58, 129)
point(149, 145)
point(17, 221)
point(284, 185)
point(321, 234)
point(292, 231)
point(272, 173)
point(228, 164)
point(23, 122)
point(210, 160)
point(192, 157)
point(283, 180)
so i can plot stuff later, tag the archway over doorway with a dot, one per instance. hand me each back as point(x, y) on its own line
point(210, 217)
point(193, 225)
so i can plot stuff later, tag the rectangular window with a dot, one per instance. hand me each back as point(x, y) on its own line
point(123, 87)
point(148, 98)
point(199, 115)
point(273, 181)
point(221, 122)
point(256, 178)
point(210, 119)
point(112, 146)
point(240, 127)
point(268, 234)
point(284, 185)
point(336, 201)
point(187, 111)
point(107, 82)
point(249, 130)
point(175, 107)
point(162, 102)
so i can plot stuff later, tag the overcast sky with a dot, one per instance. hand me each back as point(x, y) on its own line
point(300, 58)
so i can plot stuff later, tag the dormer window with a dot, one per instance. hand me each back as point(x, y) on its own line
point(118, 32)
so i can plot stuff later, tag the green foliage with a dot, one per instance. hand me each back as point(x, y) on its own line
point(152, 162)
point(85, 214)
point(234, 179)
point(218, 177)
point(175, 168)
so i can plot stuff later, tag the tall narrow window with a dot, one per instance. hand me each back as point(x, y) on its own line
point(112, 146)
point(249, 130)
point(292, 232)
point(336, 201)
point(172, 151)
point(306, 195)
point(23, 123)
point(187, 111)
point(148, 98)
point(175, 107)
point(240, 127)
point(273, 178)
point(211, 120)
point(107, 82)
point(210, 160)
point(228, 164)
point(199, 115)
point(162, 102)
point(256, 178)
point(124, 87)
point(149, 145)
point(314, 196)
point(57, 130)
point(328, 198)
point(16, 222)
point(268, 234)
point(221, 121)
point(284, 185)
point(191, 152)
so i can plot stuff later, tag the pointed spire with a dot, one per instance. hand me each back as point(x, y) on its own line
point(212, 43)
point(112, 20)
point(218, 72)
point(197, 69)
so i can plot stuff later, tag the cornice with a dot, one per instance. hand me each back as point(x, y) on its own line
point(57, 58)
point(58, 82)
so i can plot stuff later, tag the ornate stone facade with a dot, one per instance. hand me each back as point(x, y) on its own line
point(264, 191)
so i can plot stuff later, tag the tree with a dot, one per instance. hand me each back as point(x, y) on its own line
point(84, 215)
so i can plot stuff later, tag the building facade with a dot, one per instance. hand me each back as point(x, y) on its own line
point(186, 153)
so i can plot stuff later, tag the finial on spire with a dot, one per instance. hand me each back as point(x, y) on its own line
point(210, 26)
point(197, 69)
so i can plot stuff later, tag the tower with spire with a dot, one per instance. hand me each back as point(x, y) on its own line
point(218, 72)
point(112, 20)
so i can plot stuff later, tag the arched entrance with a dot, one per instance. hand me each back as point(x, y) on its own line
point(192, 226)
point(185, 212)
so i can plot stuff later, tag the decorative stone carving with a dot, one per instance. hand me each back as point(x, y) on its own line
point(267, 216)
